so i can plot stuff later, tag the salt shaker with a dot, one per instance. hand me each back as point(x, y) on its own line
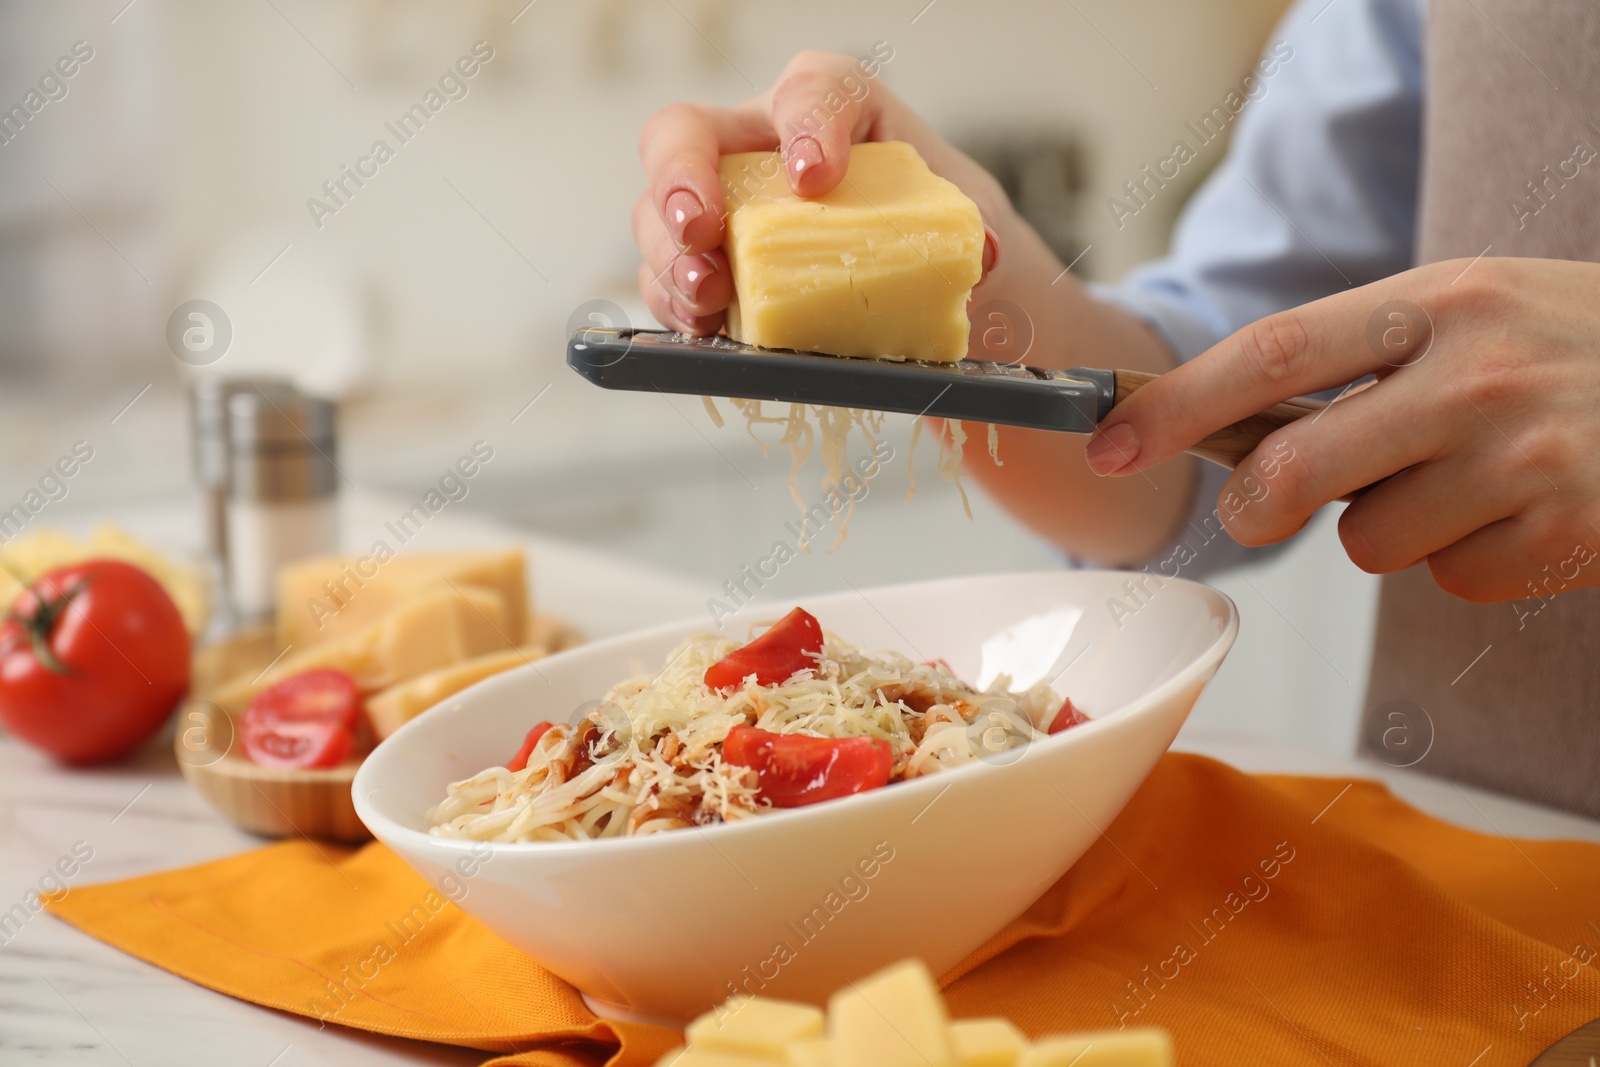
point(282, 490)
point(208, 412)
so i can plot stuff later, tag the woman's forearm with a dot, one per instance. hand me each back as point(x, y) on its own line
point(1042, 478)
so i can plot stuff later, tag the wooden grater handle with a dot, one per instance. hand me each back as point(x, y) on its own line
point(1229, 445)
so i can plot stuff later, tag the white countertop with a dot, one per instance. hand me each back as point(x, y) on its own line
point(66, 998)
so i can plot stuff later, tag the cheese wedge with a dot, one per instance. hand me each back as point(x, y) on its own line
point(987, 1042)
point(399, 704)
point(894, 1018)
point(438, 627)
point(755, 1026)
point(330, 597)
point(880, 266)
point(1112, 1048)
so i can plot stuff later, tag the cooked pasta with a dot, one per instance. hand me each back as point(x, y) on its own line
point(649, 757)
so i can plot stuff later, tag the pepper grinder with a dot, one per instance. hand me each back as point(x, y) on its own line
point(282, 490)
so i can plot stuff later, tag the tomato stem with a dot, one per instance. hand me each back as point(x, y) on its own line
point(42, 624)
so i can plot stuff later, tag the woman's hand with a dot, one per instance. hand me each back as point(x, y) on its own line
point(820, 107)
point(1480, 439)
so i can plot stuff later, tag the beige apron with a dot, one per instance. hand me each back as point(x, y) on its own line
point(1503, 696)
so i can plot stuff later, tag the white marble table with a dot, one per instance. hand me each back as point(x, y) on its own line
point(66, 998)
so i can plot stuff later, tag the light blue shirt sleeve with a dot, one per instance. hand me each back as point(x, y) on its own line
point(1317, 194)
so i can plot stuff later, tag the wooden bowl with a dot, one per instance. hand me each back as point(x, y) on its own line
point(270, 801)
point(276, 801)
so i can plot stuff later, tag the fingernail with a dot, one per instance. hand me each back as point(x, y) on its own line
point(691, 322)
point(690, 273)
point(804, 153)
point(1113, 448)
point(683, 207)
point(991, 249)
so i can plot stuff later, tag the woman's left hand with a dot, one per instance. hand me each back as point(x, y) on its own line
point(1480, 439)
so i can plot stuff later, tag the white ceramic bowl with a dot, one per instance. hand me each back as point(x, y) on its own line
point(795, 903)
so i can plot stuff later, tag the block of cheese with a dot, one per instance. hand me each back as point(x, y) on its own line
point(330, 597)
point(812, 1052)
point(399, 704)
point(755, 1026)
point(880, 266)
point(437, 627)
point(987, 1042)
point(1112, 1048)
point(894, 1018)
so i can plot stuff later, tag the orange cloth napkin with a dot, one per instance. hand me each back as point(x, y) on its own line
point(1262, 920)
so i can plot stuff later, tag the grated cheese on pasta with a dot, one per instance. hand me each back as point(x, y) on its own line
point(648, 757)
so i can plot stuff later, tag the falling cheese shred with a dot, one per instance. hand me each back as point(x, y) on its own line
point(835, 424)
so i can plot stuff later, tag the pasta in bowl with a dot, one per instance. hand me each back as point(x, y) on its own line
point(793, 902)
point(725, 731)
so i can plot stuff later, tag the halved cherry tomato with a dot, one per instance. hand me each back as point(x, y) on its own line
point(792, 644)
point(306, 721)
point(1066, 718)
point(794, 770)
point(519, 762)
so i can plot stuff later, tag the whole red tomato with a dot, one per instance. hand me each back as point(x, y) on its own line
point(93, 658)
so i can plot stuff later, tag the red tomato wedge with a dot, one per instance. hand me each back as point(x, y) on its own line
point(1066, 718)
point(792, 644)
point(519, 762)
point(307, 721)
point(794, 770)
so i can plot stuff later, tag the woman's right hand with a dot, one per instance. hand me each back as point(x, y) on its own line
point(820, 106)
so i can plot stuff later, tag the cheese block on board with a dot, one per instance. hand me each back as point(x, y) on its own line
point(329, 597)
point(880, 266)
point(437, 627)
point(399, 704)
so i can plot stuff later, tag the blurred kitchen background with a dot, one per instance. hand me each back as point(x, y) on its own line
point(435, 301)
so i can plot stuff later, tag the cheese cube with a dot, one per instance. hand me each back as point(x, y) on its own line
point(399, 704)
point(812, 1052)
point(1112, 1048)
point(435, 628)
point(330, 597)
point(754, 1026)
point(882, 265)
point(987, 1042)
point(894, 1018)
point(694, 1057)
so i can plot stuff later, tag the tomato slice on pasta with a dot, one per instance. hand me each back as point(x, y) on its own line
point(792, 644)
point(795, 770)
